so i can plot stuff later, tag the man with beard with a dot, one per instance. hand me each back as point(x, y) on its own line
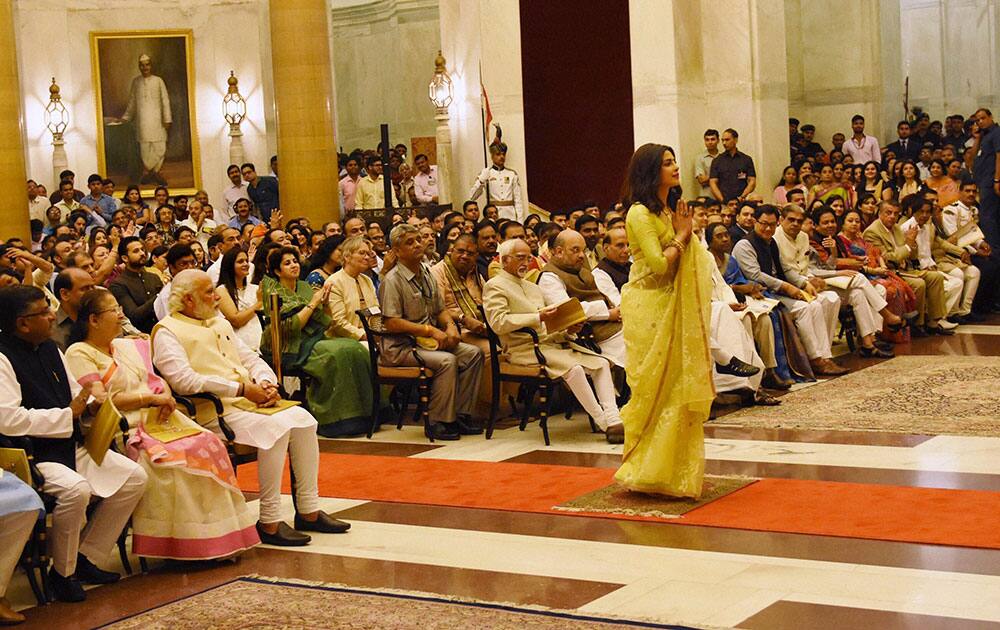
point(512, 303)
point(590, 228)
point(135, 288)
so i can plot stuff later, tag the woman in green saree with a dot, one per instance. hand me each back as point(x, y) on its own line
point(339, 393)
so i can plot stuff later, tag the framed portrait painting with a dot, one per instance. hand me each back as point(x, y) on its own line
point(144, 86)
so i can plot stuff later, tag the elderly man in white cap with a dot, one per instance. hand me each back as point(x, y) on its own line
point(149, 106)
point(196, 350)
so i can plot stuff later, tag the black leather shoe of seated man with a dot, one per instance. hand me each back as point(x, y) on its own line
point(737, 367)
point(284, 537)
point(88, 573)
point(467, 426)
point(66, 589)
point(324, 524)
point(442, 431)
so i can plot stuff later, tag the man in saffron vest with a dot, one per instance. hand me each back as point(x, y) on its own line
point(566, 276)
point(39, 400)
point(196, 350)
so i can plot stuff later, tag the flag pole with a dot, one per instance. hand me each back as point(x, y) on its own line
point(482, 114)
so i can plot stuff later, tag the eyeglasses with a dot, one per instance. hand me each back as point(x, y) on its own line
point(117, 309)
point(45, 312)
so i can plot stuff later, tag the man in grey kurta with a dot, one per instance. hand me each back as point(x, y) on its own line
point(511, 303)
point(413, 308)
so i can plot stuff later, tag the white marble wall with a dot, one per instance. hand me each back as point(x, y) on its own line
point(486, 35)
point(53, 41)
point(383, 56)
point(949, 51)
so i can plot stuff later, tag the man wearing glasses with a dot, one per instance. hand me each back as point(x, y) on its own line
point(40, 401)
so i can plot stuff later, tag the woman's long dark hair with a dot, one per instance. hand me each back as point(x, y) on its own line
point(642, 181)
point(227, 273)
point(325, 249)
point(89, 305)
point(260, 261)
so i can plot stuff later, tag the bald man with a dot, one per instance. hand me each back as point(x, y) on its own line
point(149, 106)
point(566, 276)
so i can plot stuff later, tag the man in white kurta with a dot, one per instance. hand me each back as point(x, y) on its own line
point(39, 400)
point(149, 106)
point(511, 302)
point(502, 186)
point(196, 350)
point(567, 261)
point(961, 278)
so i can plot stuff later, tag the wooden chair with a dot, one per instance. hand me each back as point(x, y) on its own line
point(532, 378)
point(34, 557)
point(272, 313)
point(402, 376)
point(848, 327)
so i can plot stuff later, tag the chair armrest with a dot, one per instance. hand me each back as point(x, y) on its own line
point(212, 398)
point(534, 341)
point(23, 442)
point(187, 404)
point(227, 430)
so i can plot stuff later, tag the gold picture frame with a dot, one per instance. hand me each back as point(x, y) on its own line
point(132, 146)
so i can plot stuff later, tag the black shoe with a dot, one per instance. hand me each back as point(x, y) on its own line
point(875, 353)
point(66, 589)
point(284, 537)
point(944, 332)
point(975, 318)
point(919, 331)
point(442, 431)
point(884, 345)
point(772, 381)
point(468, 426)
point(324, 524)
point(88, 573)
point(737, 367)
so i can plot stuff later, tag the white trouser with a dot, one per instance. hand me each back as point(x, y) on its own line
point(815, 322)
point(968, 280)
point(292, 430)
point(613, 349)
point(603, 408)
point(303, 449)
point(866, 302)
point(730, 338)
point(73, 493)
point(15, 528)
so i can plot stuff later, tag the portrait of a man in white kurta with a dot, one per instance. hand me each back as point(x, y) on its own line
point(145, 104)
point(149, 107)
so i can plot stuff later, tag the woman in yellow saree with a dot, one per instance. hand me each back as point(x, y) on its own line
point(665, 311)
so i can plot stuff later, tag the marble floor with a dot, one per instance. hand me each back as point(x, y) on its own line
point(691, 575)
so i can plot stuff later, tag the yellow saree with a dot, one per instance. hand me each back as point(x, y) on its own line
point(666, 326)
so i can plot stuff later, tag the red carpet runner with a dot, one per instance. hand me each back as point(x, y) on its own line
point(965, 518)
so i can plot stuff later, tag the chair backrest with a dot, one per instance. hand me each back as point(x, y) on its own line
point(494, 341)
point(272, 315)
point(374, 325)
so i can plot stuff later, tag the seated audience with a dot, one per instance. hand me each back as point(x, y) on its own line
point(195, 350)
point(179, 257)
point(566, 276)
point(512, 302)
point(612, 271)
point(40, 401)
point(960, 224)
point(239, 299)
point(351, 289)
point(339, 393)
point(135, 288)
point(20, 509)
point(899, 249)
point(193, 508)
point(415, 313)
point(759, 258)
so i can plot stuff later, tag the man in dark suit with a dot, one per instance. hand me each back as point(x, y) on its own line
point(905, 148)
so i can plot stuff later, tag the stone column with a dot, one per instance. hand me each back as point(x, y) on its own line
point(303, 98)
point(13, 215)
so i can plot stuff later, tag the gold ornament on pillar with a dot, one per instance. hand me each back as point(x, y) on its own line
point(57, 119)
point(440, 91)
point(234, 109)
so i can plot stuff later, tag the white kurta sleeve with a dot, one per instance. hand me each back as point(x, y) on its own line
point(172, 362)
point(165, 103)
point(16, 420)
point(555, 292)
point(607, 286)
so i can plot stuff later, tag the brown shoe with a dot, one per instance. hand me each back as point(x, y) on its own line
point(826, 367)
point(615, 434)
point(9, 616)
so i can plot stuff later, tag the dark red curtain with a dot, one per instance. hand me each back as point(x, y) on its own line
point(577, 75)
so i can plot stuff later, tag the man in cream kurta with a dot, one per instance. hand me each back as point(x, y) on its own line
point(511, 303)
point(149, 106)
point(196, 350)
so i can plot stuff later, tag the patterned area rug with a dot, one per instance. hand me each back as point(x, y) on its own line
point(262, 602)
point(615, 499)
point(927, 395)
